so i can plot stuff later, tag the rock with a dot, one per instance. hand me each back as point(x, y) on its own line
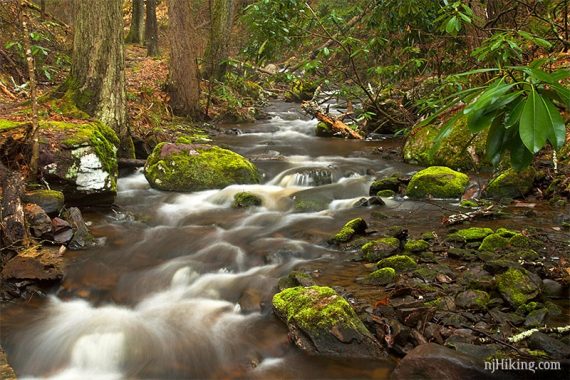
point(82, 238)
point(37, 219)
point(552, 288)
point(493, 242)
point(416, 245)
point(294, 279)
point(386, 193)
point(469, 234)
point(323, 130)
point(383, 276)
point(536, 318)
point(366, 202)
point(323, 323)
point(437, 182)
point(194, 167)
point(300, 90)
point(517, 286)
point(511, 184)
point(380, 248)
point(401, 263)
point(79, 159)
point(349, 230)
point(553, 347)
point(451, 152)
point(246, 199)
point(50, 200)
point(473, 299)
point(475, 351)
point(6, 371)
point(433, 361)
point(62, 232)
point(41, 263)
point(387, 183)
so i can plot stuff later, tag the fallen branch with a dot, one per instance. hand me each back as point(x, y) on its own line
point(338, 127)
point(7, 92)
point(463, 217)
point(525, 334)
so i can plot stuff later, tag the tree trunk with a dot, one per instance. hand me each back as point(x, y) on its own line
point(184, 83)
point(33, 138)
point(14, 228)
point(97, 76)
point(501, 13)
point(151, 29)
point(221, 16)
point(136, 31)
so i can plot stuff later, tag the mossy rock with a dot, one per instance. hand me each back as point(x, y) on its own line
point(416, 245)
point(388, 183)
point(386, 193)
point(51, 201)
point(309, 205)
point(295, 279)
point(437, 182)
point(300, 90)
point(493, 242)
point(473, 299)
point(511, 184)
point(517, 286)
point(383, 276)
point(380, 248)
point(506, 233)
point(451, 152)
point(468, 203)
point(470, 234)
point(194, 167)
point(401, 263)
point(324, 323)
point(323, 130)
point(246, 199)
point(349, 230)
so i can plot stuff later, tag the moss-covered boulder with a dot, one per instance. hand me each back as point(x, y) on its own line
point(383, 276)
point(473, 299)
point(493, 242)
point(323, 323)
point(300, 90)
point(387, 183)
point(400, 263)
point(51, 201)
point(246, 199)
point(510, 184)
point(451, 152)
point(353, 227)
point(380, 248)
point(437, 182)
point(469, 234)
point(194, 167)
point(413, 245)
point(517, 286)
point(77, 158)
point(323, 130)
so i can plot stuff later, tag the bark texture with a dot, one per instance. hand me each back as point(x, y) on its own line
point(136, 31)
point(14, 228)
point(151, 29)
point(184, 81)
point(98, 66)
point(221, 15)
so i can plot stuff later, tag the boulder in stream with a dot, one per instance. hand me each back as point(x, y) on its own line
point(437, 182)
point(511, 184)
point(195, 167)
point(321, 322)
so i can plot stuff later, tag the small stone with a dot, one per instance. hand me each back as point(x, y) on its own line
point(37, 219)
point(349, 230)
point(380, 248)
point(517, 287)
point(401, 263)
point(246, 199)
point(473, 299)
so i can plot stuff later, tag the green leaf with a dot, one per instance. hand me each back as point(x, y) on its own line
point(444, 132)
point(488, 97)
point(557, 132)
point(560, 74)
point(521, 157)
point(477, 121)
point(563, 93)
point(452, 26)
point(514, 113)
point(326, 51)
point(495, 139)
point(534, 125)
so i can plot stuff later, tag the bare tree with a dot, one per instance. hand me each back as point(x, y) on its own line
point(151, 29)
point(221, 16)
point(136, 31)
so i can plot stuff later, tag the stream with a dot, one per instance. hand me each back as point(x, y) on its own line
point(182, 286)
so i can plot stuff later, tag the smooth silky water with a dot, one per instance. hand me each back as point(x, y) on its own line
point(182, 286)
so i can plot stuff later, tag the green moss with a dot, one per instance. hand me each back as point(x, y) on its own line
point(309, 205)
point(516, 287)
point(386, 193)
point(389, 183)
point(416, 245)
point(493, 242)
point(468, 203)
point(246, 199)
point(473, 299)
point(425, 273)
point(519, 241)
point(506, 233)
point(323, 130)
point(181, 167)
point(430, 235)
point(347, 232)
point(316, 309)
point(6, 125)
point(527, 308)
point(380, 248)
point(383, 276)
point(442, 303)
point(511, 184)
point(470, 234)
point(437, 182)
point(401, 263)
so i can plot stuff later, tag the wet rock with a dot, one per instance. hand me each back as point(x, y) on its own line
point(391, 183)
point(82, 238)
point(246, 199)
point(41, 263)
point(194, 167)
point(62, 232)
point(536, 318)
point(383, 276)
point(475, 351)
point(401, 263)
point(552, 288)
point(506, 318)
point(437, 182)
point(511, 184)
point(461, 254)
point(442, 303)
point(553, 347)
point(386, 193)
point(433, 361)
point(37, 219)
point(294, 279)
point(500, 265)
point(323, 323)
point(6, 371)
point(412, 245)
point(380, 248)
point(366, 202)
point(493, 242)
point(349, 230)
point(469, 234)
point(50, 200)
point(473, 299)
point(517, 286)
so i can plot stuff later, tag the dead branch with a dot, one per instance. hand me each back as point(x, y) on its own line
point(338, 127)
point(463, 217)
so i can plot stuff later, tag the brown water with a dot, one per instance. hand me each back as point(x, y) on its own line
point(182, 286)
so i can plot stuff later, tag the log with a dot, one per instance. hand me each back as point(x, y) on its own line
point(338, 127)
point(14, 228)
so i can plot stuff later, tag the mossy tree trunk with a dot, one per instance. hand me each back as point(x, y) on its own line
point(97, 77)
point(151, 29)
point(184, 81)
point(136, 31)
point(221, 16)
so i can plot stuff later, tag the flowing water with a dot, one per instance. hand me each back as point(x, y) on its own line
point(182, 286)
